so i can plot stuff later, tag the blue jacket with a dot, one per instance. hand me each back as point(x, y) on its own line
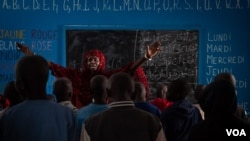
point(178, 119)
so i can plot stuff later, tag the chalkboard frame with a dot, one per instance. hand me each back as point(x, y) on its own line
point(137, 27)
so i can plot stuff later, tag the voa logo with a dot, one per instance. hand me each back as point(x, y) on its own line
point(236, 132)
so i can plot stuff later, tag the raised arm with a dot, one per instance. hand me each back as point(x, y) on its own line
point(151, 51)
point(26, 50)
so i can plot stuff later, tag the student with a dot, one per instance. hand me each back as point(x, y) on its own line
point(63, 90)
point(94, 64)
point(141, 102)
point(12, 95)
point(36, 118)
point(197, 94)
point(98, 88)
point(182, 115)
point(122, 121)
point(219, 102)
point(240, 111)
point(160, 101)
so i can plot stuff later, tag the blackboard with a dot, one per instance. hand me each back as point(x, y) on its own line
point(178, 56)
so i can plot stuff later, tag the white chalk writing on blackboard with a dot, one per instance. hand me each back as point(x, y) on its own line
point(124, 5)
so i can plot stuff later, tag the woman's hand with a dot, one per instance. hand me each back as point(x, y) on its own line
point(152, 49)
point(24, 49)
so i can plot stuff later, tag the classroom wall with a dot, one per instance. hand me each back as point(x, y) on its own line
point(223, 27)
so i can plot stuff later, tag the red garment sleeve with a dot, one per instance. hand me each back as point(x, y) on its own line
point(60, 71)
point(140, 76)
point(81, 93)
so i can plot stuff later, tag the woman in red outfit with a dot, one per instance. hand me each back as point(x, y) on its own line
point(93, 64)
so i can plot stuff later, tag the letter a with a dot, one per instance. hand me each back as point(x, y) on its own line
point(242, 132)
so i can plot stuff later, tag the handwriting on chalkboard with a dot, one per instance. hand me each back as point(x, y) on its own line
point(123, 5)
point(177, 58)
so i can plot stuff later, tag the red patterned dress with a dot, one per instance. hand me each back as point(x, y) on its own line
point(81, 78)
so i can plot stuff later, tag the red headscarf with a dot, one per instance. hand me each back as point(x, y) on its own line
point(97, 53)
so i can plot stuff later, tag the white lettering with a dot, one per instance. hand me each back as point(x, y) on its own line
point(55, 6)
point(25, 7)
point(10, 45)
point(241, 84)
point(225, 60)
point(41, 45)
point(217, 4)
point(207, 5)
point(66, 7)
point(219, 37)
point(36, 5)
point(212, 71)
point(229, 132)
point(219, 48)
point(5, 4)
point(124, 5)
point(235, 132)
point(238, 5)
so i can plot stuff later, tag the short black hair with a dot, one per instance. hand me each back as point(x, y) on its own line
point(98, 86)
point(31, 72)
point(62, 88)
point(218, 97)
point(121, 83)
point(33, 68)
point(178, 89)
